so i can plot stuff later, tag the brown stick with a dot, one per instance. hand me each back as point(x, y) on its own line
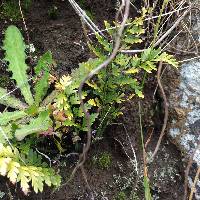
point(166, 110)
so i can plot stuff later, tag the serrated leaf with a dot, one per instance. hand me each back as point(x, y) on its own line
point(104, 42)
point(132, 71)
point(11, 164)
point(7, 117)
point(96, 50)
point(23, 178)
point(5, 133)
point(43, 64)
point(93, 117)
point(10, 101)
point(15, 55)
point(4, 165)
point(139, 93)
point(132, 40)
point(136, 30)
point(41, 88)
point(122, 60)
point(13, 171)
point(39, 124)
point(168, 59)
point(109, 29)
point(92, 102)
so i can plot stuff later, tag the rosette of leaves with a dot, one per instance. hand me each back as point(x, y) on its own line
point(28, 116)
point(106, 91)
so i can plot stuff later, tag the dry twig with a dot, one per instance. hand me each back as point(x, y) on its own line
point(166, 110)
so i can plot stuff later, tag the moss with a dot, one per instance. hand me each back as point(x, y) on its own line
point(103, 161)
point(121, 196)
point(4, 80)
point(10, 9)
point(53, 12)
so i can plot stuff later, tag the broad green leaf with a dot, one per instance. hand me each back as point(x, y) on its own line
point(39, 124)
point(10, 101)
point(15, 55)
point(44, 63)
point(5, 133)
point(41, 88)
point(42, 84)
point(7, 117)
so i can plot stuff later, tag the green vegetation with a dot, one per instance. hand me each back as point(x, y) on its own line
point(59, 112)
point(28, 118)
point(103, 161)
point(53, 12)
point(121, 196)
point(10, 9)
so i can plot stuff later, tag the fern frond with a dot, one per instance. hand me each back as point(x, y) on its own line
point(18, 171)
point(15, 55)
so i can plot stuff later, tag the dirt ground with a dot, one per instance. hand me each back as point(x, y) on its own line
point(64, 37)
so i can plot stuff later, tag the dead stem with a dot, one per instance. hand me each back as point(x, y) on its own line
point(165, 108)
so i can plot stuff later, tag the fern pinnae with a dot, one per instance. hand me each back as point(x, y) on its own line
point(15, 55)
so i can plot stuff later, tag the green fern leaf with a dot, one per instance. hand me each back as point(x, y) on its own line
point(132, 40)
point(106, 45)
point(168, 59)
point(12, 166)
point(15, 55)
point(10, 101)
point(109, 29)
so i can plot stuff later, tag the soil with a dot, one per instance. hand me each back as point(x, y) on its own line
point(64, 37)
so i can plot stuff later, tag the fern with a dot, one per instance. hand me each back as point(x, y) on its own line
point(14, 167)
point(15, 55)
point(113, 85)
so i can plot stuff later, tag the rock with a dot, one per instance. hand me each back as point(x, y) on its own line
point(185, 101)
